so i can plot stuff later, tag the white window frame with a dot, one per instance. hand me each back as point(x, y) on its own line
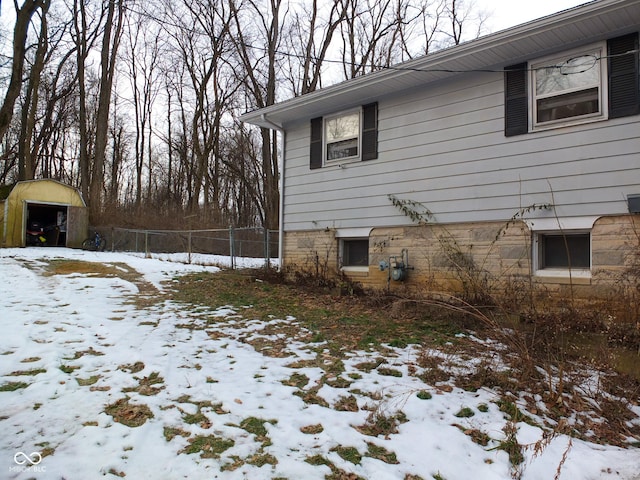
point(325, 143)
point(559, 272)
point(599, 50)
point(353, 268)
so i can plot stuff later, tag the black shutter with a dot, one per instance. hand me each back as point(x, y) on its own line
point(516, 115)
point(624, 91)
point(370, 131)
point(315, 150)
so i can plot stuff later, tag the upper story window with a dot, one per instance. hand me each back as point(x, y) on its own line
point(342, 136)
point(593, 83)
point(569, 88)
point(350, 135)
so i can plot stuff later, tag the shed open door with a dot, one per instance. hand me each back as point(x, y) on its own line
point(77, 226)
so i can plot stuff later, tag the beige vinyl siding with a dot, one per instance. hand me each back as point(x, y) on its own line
point(444, 146)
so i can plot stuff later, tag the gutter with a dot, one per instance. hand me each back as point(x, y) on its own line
point(279, 129)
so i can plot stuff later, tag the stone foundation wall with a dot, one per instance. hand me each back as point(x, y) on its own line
point(470, 257)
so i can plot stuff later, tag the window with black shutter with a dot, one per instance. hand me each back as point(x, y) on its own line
point(344, 137)
point(569, 88)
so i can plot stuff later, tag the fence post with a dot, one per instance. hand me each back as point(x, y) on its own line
point(267, 257)
point(232, 248)
point(146, 244)
point(189, 248)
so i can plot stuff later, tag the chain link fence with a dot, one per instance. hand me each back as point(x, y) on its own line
point(234, 243)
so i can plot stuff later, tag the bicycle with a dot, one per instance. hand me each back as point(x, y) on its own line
point(97, 243)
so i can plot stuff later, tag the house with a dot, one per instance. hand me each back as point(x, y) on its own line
point(58, 209)
point(513, 156)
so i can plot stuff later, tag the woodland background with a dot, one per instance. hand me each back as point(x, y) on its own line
point(136, 103)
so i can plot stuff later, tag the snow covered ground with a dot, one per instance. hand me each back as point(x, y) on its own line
point(83, 355)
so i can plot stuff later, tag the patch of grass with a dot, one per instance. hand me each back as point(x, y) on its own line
point(465, 412)
point(197, 418)
point(514, 413)
point(483, 407)
point(337, 474)
point(261, 459)
point(345, 322)
point(424, 395)
point(299, 380)
point(368, 366)
point(381, 453)
point(45, 449)
point(379, 423)
point(208, 446)
point(318, 460)
point(256, 426)
point(172, 432)
point(477, 436)
point(236, 463)
point(82, 353)
point(349, 454)
point(84, 382)
point(30, 360)
point(12, 386)
point(403, 342)
point(311, 397)
point(338, 382)
point(317, 338)
point(146, 385)
point(132, 367)
point(389, 372)
point(26, 373)
point(312, 429)
point(68, 368)
point(346, 404)
point(127, 414)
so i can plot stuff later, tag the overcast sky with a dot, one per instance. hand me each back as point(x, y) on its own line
point(507, 13)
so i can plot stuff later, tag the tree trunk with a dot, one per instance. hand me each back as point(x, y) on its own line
point(110, 42)
point(23, 18)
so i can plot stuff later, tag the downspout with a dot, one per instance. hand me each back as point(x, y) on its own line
point(282, 133)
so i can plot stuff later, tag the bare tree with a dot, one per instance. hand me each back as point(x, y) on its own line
point(26, 166)
point(143, 52)
point(86, 29)
point(260, 68)
point(369, 35)
point(110, 41)
point(312, 33)
point(463, 14)
point(23, 18)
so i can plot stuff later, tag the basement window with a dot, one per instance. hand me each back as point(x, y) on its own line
point(355, 252)
point(559, 253)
